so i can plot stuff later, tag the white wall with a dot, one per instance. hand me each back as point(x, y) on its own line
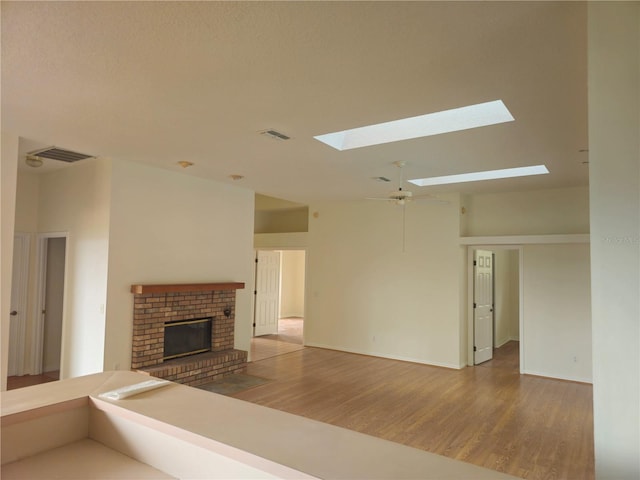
point(51, 349)
point(8, 174)
point(366, 295)
point(557, 311)
point(168, 227)
point(614, 169)
point(292, 283)
point(281, 221)
point(538, 212)
point(27, 198)
point(76, 200)
point(506, 294)
point(276, 241)
point(514, 297)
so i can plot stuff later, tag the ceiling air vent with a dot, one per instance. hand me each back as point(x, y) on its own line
point(60, 154)
point(275, 135)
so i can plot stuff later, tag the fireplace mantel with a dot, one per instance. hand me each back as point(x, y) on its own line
point(185, 287)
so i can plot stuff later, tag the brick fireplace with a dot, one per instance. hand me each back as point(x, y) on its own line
point(155, 306)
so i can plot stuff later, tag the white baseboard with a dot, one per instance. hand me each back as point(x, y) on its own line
point(382, 355)
point(558, 377)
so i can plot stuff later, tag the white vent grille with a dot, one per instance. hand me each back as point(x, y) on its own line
point(60, 154)
point(275, 135)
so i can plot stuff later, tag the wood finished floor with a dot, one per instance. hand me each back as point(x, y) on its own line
point(489, 415)
point(29, 380)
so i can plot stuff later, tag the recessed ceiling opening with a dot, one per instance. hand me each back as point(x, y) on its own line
point(486, 175)
point(446, 121)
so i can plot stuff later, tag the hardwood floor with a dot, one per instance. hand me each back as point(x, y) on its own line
point(28, 380)
point(288, 339)
point(488, 415)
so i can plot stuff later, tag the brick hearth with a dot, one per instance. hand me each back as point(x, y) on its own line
point(156, 304)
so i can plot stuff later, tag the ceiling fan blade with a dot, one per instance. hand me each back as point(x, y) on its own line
point(380, 198)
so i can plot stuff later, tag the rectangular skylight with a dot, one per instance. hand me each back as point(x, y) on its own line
point(486, 175)
point(463, 118)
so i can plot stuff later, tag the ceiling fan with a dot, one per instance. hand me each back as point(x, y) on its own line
point(402, 197)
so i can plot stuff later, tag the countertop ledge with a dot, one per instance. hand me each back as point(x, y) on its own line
point(309, 446)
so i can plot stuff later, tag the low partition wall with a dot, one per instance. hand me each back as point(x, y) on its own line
point(190, 433)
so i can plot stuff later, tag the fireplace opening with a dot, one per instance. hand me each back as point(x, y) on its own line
point(188, 337)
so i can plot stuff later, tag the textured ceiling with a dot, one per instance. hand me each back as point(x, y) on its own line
point(160, 82)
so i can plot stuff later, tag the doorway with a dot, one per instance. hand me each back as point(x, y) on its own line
point(279, 302)
point(43, 338)
point(53, 300)
point(495, 323)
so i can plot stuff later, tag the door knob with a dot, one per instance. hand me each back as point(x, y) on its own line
point(13, 313)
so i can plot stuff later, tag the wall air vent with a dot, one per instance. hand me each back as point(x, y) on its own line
point(275, 135)
point(60, 154)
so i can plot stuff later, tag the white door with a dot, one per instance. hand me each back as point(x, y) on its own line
point(267, 307)
point(482, 307)
point(18, 313)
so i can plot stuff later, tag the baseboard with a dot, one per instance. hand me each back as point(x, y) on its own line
point(381, 355)
point(558, 377)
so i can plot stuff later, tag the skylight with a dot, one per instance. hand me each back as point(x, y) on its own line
point(486, 175)
point(463, 118)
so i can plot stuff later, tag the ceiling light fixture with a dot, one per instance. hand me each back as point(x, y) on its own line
point(463, 118)
point(185, 164)
point(33, 161)
point(486, 175)
point(235, 176)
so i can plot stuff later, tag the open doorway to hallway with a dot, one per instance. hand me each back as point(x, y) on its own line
point(495, 307)
point(279, 303)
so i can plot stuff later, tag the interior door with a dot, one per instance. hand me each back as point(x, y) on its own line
point(482, 306)
point(18, 313)
point(267, 306)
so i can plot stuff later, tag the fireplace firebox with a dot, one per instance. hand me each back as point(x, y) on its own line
point(188, 337)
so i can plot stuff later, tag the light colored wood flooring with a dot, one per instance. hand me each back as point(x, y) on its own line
point(489, 415)
point(28, 380)
point(288, 339)
point(289, 330)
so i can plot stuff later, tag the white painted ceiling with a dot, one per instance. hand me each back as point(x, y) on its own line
point(160, 82)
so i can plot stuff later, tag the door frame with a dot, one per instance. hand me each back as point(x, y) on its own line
point(306, 279)
point(16, 351)
point(37, 344)
point(470, 280)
